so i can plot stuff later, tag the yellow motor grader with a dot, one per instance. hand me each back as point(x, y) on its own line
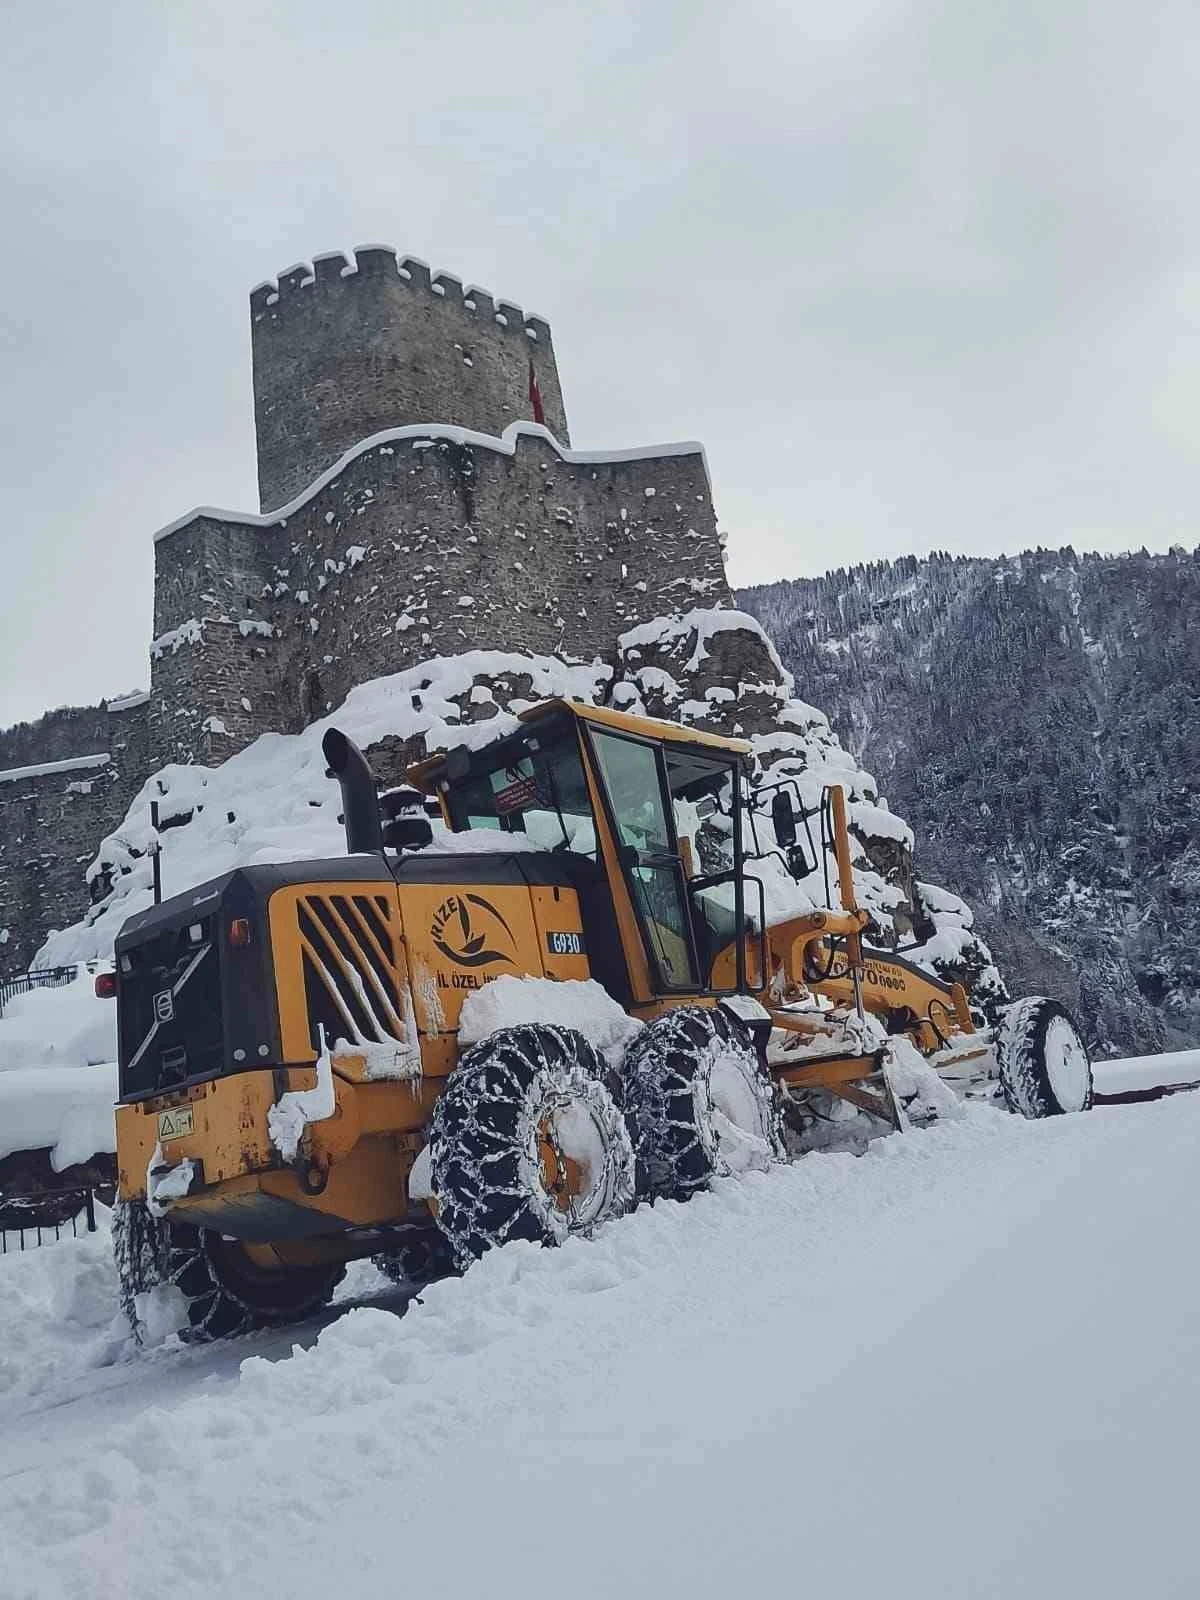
point(293, 1089)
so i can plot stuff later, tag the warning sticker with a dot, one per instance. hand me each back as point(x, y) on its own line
point(174, 1124)
point(514, 788)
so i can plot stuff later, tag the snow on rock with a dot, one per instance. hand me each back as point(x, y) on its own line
point(189, 632)
point(698, 628)
point(946, 904)
point(585, 1006)
point(877, 822)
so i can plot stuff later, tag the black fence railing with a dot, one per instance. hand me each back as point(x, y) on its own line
point(48, 978)
point(18, 1232)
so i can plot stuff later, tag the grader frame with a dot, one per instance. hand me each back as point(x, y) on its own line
point(384, 948)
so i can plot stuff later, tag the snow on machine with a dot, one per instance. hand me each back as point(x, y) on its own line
point(605, 985)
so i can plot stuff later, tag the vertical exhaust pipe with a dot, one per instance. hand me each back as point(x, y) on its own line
point(360, 802)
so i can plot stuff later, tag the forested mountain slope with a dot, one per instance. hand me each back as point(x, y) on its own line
point(1037, 720)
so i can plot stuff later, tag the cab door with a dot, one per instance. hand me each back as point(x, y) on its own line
point(633, 780)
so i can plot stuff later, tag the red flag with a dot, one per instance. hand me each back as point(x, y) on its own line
point(535, 398)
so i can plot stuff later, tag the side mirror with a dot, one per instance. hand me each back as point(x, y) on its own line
point(403, 801)
point(783, 818)
point(407, 833)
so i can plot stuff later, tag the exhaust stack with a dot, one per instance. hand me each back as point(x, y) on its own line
point(360, 802)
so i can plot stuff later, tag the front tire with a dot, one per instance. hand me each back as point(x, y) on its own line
point(699, 1101)
point(1043, 1062)
point(526, 1142)
point(221, 1289)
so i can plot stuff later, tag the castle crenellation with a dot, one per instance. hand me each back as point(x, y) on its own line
point(412, 506)
point(346, 346)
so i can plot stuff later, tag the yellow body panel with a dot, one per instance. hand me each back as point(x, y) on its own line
point(458, 938)
point(229, 1130)
point(352, 1169)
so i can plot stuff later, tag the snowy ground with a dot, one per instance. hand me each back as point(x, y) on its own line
point(962, 1365)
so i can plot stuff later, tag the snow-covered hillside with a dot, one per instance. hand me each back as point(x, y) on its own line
point(959, 1366)
point(1036, 719)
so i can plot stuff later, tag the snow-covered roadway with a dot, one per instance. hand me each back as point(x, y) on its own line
point(962, 1365)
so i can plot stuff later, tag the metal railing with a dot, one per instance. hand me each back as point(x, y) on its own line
point(47, 978)
point(16, 1234)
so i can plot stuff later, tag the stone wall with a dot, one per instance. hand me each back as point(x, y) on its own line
point(51, 821)
point(424, 544)
point(347, 347)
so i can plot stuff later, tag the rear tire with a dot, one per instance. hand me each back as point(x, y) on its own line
point(222, 1289)
point(526, 1142)
point(1043, 1062)
point(700, 1103)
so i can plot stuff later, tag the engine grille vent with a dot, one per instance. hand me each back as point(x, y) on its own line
point(351, 982)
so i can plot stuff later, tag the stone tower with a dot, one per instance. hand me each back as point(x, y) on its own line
point(347, 347)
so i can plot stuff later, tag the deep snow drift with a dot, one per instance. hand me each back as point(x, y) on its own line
point(962, 1365)
point(58, 1078)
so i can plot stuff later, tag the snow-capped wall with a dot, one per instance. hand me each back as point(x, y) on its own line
point(424, 541)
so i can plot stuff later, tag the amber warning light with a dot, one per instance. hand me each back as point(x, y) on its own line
point(106, 985)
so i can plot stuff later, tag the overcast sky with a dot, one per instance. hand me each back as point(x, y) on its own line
point(919, 275)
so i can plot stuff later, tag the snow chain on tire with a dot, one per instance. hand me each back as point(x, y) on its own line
point(669, 1100)
point(152, 1254)
point(421, 1259)
point(1044, 1066)
point(485, 1137)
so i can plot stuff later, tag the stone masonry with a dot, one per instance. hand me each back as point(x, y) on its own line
point(419, 546)
point(65, 781)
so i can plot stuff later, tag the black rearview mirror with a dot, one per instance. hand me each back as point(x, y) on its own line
point(783, 818)
point(407, 833)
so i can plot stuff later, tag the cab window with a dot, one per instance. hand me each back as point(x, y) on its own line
point(536, 787)
point(634, 784)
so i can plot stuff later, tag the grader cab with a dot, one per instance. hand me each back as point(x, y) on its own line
point(293, 1092)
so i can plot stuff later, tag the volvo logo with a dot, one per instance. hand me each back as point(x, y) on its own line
point(164, 1006)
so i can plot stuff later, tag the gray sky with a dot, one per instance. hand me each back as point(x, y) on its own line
point(920, 275)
